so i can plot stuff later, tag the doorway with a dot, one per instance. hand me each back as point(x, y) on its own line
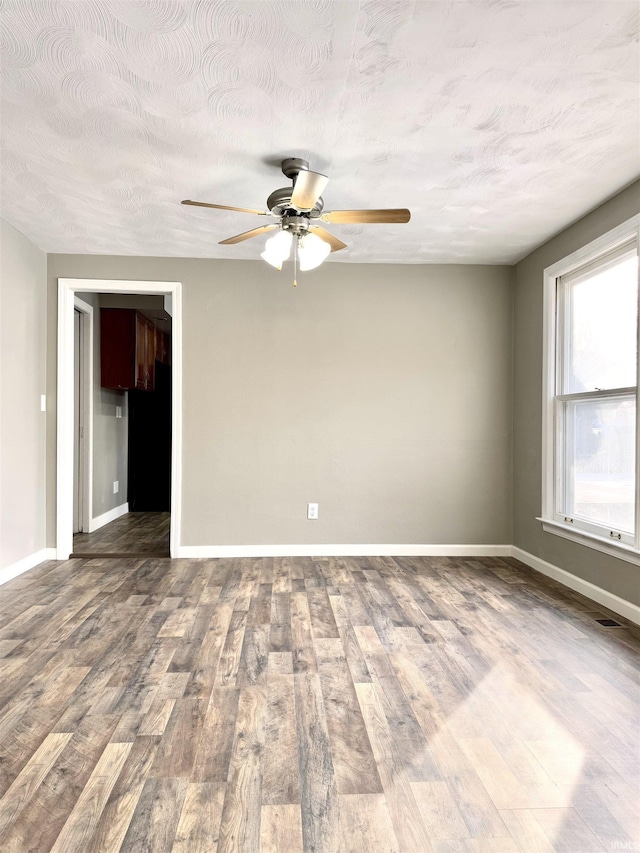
point(132, 437)
point(67, 450)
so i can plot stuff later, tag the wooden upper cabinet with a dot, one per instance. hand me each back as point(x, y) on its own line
point(163, 347)
point(151, 354)
point(127, 349)
point(145, 352)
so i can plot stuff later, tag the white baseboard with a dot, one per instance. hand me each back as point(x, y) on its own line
point(12, 571)
point(613, 602)
point(111, 515)
point(217, 551)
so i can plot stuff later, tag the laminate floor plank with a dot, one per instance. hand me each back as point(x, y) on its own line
point(411, 831)
point(227, 671)
point(321, 830)
point(312, 705)
point(123, 800)
point(281, 829)
point(609, 819)
point(58, 792)
point(366, 824)
point(214, 745)
point(199, 825)
point(240, 821)
point(569, 832)
point(353, 761)
point(280, 771)
point(85, 815)
point(30, 777)
point(154, 823)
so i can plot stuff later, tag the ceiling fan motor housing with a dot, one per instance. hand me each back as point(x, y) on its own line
point(280, 201)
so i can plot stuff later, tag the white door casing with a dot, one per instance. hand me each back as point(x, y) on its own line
point(67, 288)
point(83, 377)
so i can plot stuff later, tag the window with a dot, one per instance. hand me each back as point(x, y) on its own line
point(590, 435)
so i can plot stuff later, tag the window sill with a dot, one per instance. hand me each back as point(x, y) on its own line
point(614, 549)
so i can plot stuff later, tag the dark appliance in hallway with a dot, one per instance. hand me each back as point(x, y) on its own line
point(149, 484)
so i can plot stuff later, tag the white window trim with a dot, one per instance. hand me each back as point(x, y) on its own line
point(550, 524)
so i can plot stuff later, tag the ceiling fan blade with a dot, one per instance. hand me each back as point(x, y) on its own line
point(308, 189)
point(225, 207)
point(351, 217)
point(247, 235)
point(335, 244)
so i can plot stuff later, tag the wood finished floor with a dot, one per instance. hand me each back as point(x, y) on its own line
point(326, 705)
point(134, 534)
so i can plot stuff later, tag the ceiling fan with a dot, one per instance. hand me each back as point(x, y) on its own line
point(298, 211)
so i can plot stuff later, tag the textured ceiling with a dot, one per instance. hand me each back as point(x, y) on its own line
point(497, 123)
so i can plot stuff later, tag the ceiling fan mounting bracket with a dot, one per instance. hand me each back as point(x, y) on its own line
point(292, 165)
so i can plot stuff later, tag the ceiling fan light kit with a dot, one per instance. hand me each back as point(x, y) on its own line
point(277, 249)
point(299, 209)
point(312, 251)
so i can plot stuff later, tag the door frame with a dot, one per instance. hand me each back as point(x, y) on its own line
point(67, 288)
point(86, 412)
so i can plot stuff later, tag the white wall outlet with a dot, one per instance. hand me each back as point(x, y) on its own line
point(43, 402)
point(312, 510)
point(116, 487)
point(118, 411)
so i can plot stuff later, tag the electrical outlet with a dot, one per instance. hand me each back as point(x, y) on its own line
point(116, 487)
point(312, 510)
point(43, 402)
point(118, 411)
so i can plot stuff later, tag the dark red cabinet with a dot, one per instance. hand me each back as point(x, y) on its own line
point(127, 349)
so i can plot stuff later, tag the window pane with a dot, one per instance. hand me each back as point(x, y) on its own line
point(599, 476)
point(602, 316)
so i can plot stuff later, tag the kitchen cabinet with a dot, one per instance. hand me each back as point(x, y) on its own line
point(163, 347)
point(127, 349)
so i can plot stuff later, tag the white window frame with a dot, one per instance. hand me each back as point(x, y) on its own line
point(627, 547)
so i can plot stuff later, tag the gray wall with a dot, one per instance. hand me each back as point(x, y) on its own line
point(617, 576)
point(110, 434)
point(381, 392)
point(23, 277)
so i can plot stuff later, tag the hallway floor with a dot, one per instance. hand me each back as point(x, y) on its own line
point(141, 534)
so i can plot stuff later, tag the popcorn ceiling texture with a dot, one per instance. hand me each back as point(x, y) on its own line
point(496, 123)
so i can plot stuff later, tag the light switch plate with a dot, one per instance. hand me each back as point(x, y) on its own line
point(43, 402)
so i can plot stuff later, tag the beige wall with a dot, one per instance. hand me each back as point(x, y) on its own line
point(382, 392)
point(110, 434)
point(617, 576)
point(23, 277)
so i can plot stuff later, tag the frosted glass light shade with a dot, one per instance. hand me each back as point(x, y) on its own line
point(312, 251)
point(277, 249)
